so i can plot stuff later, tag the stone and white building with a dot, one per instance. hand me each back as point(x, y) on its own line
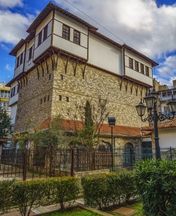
point(65, 60)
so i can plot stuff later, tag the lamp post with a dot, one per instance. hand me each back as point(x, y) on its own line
point(153, 115)
point(112, 122)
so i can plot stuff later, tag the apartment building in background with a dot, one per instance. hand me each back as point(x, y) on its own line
point(65, 61)
point(4, 97)
point(167, 129)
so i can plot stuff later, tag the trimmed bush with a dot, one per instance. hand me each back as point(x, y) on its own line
point(28, 194)
point(156, 184)
point(33, 193)
point(6, 195)
point(64, 189)
point(107, 190)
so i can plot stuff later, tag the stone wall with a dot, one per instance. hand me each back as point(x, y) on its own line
point(70, 85)
point(35, 97)
point(69, 82)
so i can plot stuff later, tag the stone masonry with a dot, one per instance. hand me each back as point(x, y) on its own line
point(49, 91)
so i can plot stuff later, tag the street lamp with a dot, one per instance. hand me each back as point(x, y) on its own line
point(112, 122)
point(154, 116)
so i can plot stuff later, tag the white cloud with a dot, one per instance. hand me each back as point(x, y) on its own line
point(140, 23)
point(167, 70)
point(8, 67)
point(10, 3)
point(13, 26)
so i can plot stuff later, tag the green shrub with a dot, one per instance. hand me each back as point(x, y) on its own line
point(64, 189)
point(107, 190)
point(28, 194)
point(156, 183)
point(6, 195)
point(44, 192)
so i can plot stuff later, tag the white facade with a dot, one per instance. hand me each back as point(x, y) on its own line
point(167, 138)
point(138, 75)
point(13, 102)
point(105, 55)
point(95, 49)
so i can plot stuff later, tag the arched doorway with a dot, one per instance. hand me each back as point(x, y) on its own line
point(129, 155)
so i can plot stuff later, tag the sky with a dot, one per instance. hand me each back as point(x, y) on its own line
point(147, 25)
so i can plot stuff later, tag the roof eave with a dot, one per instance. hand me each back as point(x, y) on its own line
point(154, 64)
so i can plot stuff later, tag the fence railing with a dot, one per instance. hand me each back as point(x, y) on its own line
point(17, 163)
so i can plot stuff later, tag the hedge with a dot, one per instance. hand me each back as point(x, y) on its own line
point(30, 193)
point(156, 184)
point(106, 190)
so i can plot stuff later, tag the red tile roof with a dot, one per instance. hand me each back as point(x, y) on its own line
point(119, 130)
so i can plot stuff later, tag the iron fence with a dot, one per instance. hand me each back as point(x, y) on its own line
point(18, 163)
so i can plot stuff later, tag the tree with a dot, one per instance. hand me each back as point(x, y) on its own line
point(4, 123)
point(92, 116)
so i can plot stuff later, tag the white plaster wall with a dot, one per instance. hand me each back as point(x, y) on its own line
point(43, 46)
point(29, 64)
point(167, 138)
point(138, 76)
point(68, 45)
point(44, 22)
point(104, 55)
point(19, 69)
point(13, 113)
point(13, 99)
point(135, 74)
point(70, 22)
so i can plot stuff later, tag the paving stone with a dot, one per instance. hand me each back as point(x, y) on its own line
point(125, 211)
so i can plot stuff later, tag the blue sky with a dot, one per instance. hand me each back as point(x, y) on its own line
point(147, 25)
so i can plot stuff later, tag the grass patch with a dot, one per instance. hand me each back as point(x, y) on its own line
point(72, 212)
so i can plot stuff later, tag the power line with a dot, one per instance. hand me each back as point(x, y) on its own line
point(94, 20)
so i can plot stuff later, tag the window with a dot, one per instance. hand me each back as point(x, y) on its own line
point(30, 53)
point(18, 61)
point(39, 38)
point(21, 58)
point(66, 32)
point(62, 77)
point(45, 33)
point(76, 37)
point(48, 97)
point(60, 97)
point(136, 65)
point(142, 68)
point(67, 99)
point(131, 63)
point(147, 70)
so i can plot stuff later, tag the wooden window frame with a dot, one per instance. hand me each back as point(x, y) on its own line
point(142, 69)
point(39, 38)
point(45, 32)
point(131, 61)
point(66, 32)
point(76, 37)
point(147, 71)
point(136, 64)
point(30, 53)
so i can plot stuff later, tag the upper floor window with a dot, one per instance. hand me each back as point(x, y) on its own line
point(45, 33)
point(147, 70)
point(30, 53)
point(131, 63)
point(142, 68)
point(76, 37)
point(136, 65)
point(39, 38)
point(66, 32)
point(19, 60)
